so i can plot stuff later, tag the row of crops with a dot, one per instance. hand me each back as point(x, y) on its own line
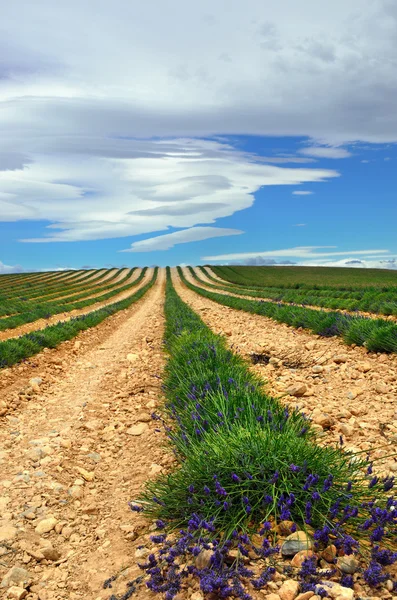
point(377, 335)
point(382, 301)
point(349, 279)
point(21, 306)
point(14, 350)
point(248, 468)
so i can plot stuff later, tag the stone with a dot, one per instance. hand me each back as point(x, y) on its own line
point(300, 557)
point(317, 369)
point(323, 419)
point(347, 564)
point(381, 388)
point(137, 429)
point(16, 592)
point(297, 390)
point(87, 475)
point(143, 418)
point(346, 429)
point(196, 596)
point(203, 559)
point(76, 492)
point(296, 542)
point(7, 532)
point(289, 590)
point(50, 553)
point(305, 596)
point(310, 345)
point(329, 554)
point(132, 357)
point(341, 358)
point(335, 590)
point(272, 597)
point(18, 576)
point(35, 381)
point(284, 528)
point(46, 525)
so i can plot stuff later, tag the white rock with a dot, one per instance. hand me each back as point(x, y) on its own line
point(46, 525)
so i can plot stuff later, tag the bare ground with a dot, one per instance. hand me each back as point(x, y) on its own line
point(77, 451)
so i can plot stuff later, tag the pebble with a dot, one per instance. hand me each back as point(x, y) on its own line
point(21, 577)
point(289, 590)
point(137, 429)
point(51, 553)
point(341, 358)
point(296, 542)
point(348, 564)
point(297, 390)
point(87, 475)
point(46, 525)
point(335, 590)
point(7, 532)
point(305, 596)
point(300, 557)
point(16, 592)
point(203, 559)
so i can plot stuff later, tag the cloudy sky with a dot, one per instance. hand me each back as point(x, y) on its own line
point(174, 132)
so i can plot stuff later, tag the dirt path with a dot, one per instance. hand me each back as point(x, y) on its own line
point(208, 283)
point(62, 317)
point(352, 393)
point(76, 453)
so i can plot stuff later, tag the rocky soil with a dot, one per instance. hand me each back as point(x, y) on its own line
point(77, 442)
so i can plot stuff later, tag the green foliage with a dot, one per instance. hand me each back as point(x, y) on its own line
point(374, 300)
point(303, 277)
point(373, 333)
point(243, 458)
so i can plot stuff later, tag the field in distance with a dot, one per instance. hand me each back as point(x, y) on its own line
point(289, 276)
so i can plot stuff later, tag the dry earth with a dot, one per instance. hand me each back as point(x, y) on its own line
point(76, 450)
point(77, 440)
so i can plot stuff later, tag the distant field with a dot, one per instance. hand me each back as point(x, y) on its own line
point(320, 277)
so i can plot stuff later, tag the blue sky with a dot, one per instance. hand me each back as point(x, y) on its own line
point(188, 136)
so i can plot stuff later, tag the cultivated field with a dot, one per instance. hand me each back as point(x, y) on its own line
point(198, 433)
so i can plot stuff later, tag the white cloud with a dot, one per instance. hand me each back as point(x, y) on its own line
point(302, 193)
point(169, 240)
point(365, 161)
point(300, 225)
point(77, 100)
point(308, 252)
point(351, 262)
point(4, 269)
point(289, 69)
point(136, 187)
point(325, 152)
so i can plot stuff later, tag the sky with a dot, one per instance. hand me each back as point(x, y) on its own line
point(222, 132)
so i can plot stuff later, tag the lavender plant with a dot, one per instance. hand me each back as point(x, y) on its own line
point(245, 465)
